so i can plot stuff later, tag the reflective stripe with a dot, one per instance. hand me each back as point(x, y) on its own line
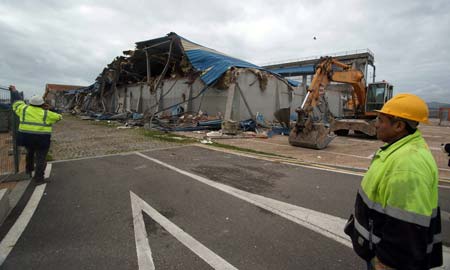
point(43, 124)
point(365, 233)
point(45, 117)
point(434, 213)
point(35, 132)
point(397, 212)
point(437, 238)
point(35, 124)
point(23, 113)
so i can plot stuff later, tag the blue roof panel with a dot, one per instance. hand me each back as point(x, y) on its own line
point(213, 64)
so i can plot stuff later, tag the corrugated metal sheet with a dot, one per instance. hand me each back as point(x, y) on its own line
point(88, 89)
point(213, 64)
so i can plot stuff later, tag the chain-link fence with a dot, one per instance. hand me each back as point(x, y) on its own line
point(9, 152)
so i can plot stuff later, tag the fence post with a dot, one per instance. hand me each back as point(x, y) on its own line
point(14, 125)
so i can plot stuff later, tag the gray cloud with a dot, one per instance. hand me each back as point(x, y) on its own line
point(71, 41)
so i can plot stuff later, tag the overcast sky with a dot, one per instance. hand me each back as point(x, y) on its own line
point(70, 42)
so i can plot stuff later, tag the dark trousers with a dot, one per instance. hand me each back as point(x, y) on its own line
point(38, 156)
point(37, 146)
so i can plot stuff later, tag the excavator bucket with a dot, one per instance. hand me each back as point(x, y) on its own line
point(317, 137)
point(309, 134)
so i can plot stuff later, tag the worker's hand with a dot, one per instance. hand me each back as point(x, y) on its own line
point(12, 88)
point(377, 265)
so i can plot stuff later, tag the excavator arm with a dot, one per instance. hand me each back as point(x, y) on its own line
point(312, 130)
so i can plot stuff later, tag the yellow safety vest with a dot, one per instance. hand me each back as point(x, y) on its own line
point(34, 119)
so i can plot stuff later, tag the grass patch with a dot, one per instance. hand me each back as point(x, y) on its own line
point(49, 157)
point(240, 149)
point(168, 137)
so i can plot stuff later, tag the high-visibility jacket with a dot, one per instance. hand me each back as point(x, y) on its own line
point(33, 119)
point(396, 216)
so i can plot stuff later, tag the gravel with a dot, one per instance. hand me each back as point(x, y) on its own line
point(76, 138)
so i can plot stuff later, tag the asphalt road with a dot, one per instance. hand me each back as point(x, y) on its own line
point(84, 219)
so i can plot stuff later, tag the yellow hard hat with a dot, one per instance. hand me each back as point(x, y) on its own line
point(406, 106)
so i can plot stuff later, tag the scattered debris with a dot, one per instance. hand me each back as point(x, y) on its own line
point(172, 84)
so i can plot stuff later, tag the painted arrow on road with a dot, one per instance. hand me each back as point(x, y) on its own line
point(143, 250)
point(325, 224)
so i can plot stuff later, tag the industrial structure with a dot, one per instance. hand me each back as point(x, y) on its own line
point(302, 70)
point(171, 76)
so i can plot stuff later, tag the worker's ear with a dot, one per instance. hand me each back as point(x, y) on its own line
point(399, 126)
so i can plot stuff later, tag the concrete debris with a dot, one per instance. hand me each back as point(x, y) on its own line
point(206, 141)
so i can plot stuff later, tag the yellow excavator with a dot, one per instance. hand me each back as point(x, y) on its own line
point(316, 127)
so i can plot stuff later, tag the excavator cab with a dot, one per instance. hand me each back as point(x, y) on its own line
point(377, 94)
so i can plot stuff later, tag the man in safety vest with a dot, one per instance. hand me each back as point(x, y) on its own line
point(35, 129)
point(396, 223)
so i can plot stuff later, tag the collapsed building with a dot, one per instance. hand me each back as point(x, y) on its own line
point(171, 77)
point(55, 94)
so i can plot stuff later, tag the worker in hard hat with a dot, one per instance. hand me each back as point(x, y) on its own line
point(35, 129)
point(396, 223)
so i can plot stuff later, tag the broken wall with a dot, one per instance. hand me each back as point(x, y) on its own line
point(265, 99)
point(264, 95)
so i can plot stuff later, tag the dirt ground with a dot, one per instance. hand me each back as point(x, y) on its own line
point(76, 138)
point(73, 138)
point(347, 151)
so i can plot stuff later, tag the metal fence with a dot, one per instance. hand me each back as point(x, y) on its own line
point(9, 151)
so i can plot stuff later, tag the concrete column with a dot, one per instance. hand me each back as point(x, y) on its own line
point(230, 99)
point(190, 101)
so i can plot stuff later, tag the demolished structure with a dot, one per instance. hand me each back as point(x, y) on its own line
point(171, 80)
point(55, 94)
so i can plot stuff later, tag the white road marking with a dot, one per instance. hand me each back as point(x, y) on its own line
point(144, 253)
point(48, 170)
point(327, 225)
point(17, 229)
point(335, 153)
point(446, 258)
point(348, 155)
point(363, 141)
point(324, 169)
point(118, 154)
point(143, 247)
point(339, 171)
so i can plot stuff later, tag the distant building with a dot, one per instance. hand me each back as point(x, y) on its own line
point(54, 93)
point(444, 116)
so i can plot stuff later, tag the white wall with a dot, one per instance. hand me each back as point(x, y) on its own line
point(213, 102)
point(275, 96)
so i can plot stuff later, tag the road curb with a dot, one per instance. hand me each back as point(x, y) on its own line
point(446, 259)
point(10, 198)
point(5, 206)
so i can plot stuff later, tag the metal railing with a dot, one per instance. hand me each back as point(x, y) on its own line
point(9, 151)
